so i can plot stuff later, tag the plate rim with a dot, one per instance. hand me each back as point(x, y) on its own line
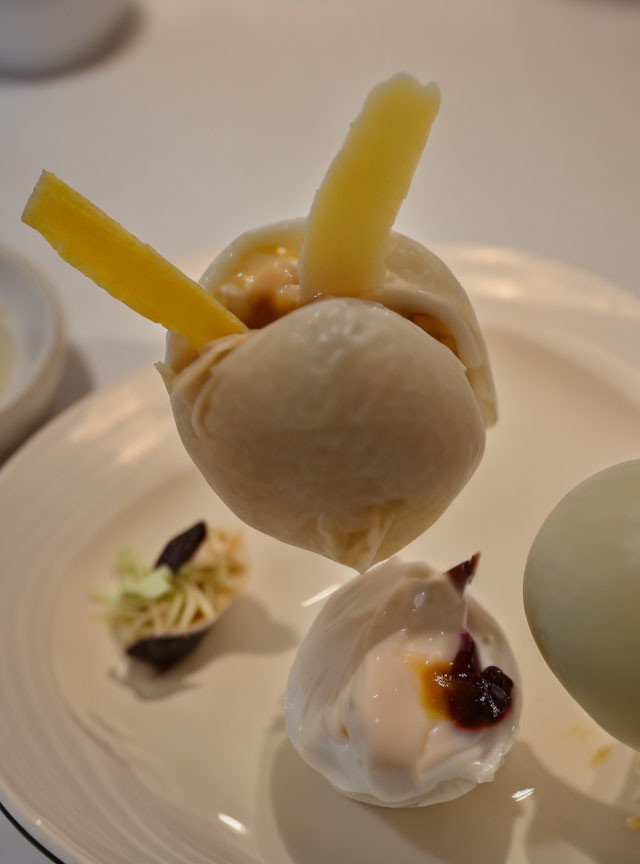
point(17, 811)
point(20, 406)
point(43, 850)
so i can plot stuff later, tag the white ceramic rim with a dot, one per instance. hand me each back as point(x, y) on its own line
point(54, 333)
point(582, 289)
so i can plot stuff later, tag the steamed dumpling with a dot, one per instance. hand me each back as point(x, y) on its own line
point(256, 278)
point(341, 426)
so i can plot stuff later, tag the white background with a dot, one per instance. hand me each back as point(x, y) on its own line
point(212, 116)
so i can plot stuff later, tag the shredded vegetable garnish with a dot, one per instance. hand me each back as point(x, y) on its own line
point(152, 603)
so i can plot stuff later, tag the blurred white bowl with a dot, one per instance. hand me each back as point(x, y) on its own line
point(42, 35)
point(31, 348)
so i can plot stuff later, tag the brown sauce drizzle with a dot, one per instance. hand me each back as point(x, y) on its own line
point(265, 308)
point(437, 330)
point(266, 297)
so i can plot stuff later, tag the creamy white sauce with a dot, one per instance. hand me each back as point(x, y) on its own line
point(355, 705)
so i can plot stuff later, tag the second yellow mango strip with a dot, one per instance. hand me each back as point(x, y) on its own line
point(129, 270)
point(348, 230)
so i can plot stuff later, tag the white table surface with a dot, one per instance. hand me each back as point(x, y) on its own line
point(216, 115)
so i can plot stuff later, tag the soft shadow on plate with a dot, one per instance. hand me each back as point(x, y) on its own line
point(317, 824)
point(75, 382)
point(582, 822)
point(245, 628)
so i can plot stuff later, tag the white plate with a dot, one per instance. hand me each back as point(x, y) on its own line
point(195, 767)
point(31, 347)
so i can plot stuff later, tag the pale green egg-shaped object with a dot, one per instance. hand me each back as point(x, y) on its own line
point(582, 597)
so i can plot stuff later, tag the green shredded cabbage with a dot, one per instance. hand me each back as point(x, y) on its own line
point(149, 586)
point(129, 562)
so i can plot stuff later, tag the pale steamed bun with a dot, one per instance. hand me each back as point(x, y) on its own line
point(345, 426)
point(341, 428)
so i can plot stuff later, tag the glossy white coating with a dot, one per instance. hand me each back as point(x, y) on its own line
point(355, 705)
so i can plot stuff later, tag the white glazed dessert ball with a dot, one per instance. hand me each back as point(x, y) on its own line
point(394, 695)
point(340, 426)
point(582, 597)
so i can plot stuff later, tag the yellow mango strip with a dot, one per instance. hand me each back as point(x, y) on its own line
point(347, 234)
point(129, 270)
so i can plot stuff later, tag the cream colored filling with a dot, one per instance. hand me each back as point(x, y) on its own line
point(265, 287)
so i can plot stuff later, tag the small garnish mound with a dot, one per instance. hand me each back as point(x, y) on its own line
point(476, 697)
point(160, 614)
